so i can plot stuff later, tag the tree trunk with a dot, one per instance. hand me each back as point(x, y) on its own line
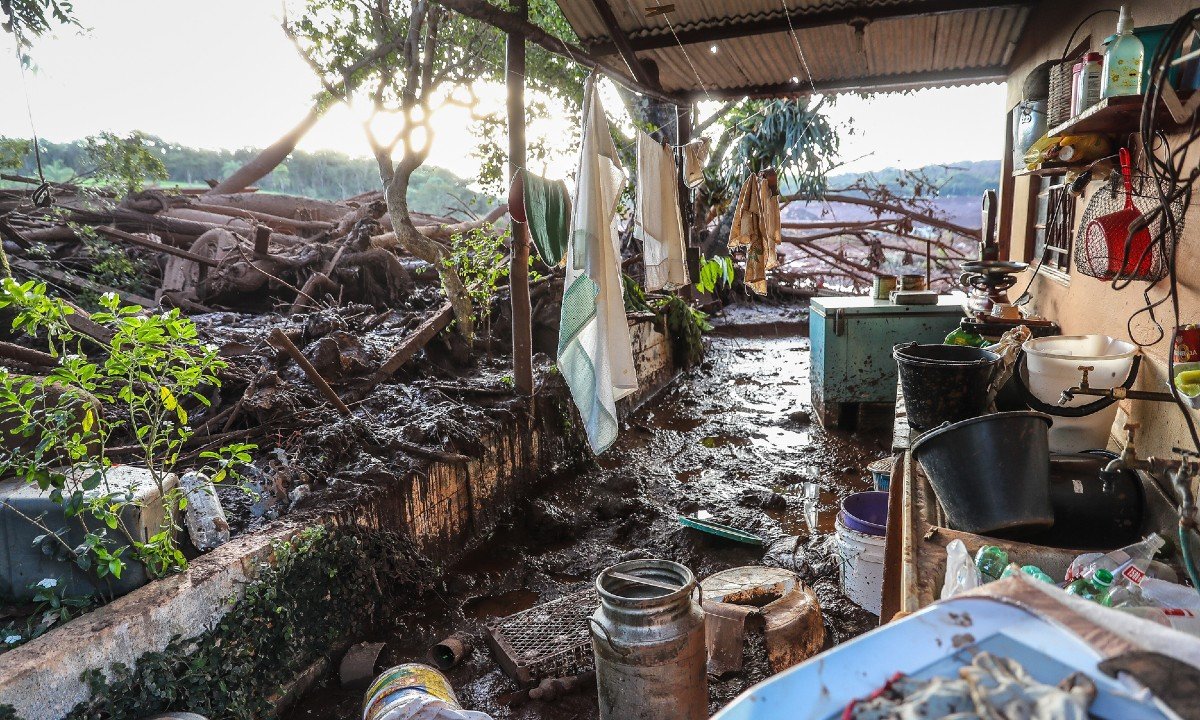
point(395, 192)
point(269, 158)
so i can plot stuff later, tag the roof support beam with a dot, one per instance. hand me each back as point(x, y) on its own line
point(510, 22)
point(875, 83)
point(604, 10)
point(797, 20)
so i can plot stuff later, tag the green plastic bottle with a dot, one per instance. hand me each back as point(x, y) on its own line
point(1032, 571)
point(1123, 60)
point(991, 561)
point(1093, 590)
point(958, 336)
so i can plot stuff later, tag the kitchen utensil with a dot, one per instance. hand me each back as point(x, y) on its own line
point(1124, 253)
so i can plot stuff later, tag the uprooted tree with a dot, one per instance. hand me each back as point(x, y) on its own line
point(410, 59)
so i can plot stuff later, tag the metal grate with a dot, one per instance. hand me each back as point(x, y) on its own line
point(547, 641)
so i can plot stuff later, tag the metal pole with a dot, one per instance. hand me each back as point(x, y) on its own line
point(519, 269)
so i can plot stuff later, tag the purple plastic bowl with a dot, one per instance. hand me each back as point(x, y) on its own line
point(866, 512)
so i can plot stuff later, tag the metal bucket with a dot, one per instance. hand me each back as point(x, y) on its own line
point(648, 637)
point(406, 687)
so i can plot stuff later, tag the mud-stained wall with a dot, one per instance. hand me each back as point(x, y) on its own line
point(446, 506)
point(441, 509)
point(1084, 305)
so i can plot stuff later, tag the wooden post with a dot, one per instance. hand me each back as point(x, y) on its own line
point(518, 277)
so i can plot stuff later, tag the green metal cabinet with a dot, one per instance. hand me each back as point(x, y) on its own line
point(852, 340)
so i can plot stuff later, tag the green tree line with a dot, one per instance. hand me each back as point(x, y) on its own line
point(324, 174)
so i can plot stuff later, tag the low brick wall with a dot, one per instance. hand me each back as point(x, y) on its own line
point(442, 509)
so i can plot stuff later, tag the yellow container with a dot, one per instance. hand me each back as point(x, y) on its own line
point(395, 684)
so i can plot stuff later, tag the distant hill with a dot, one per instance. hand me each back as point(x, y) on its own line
point(968, 178)
point(325, 174)
point(961, 187)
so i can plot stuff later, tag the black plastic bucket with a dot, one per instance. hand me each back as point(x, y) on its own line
point(944, 383)
point(991, 473)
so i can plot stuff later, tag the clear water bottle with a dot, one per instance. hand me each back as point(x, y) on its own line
point(1123, 60)
point(1129, 562)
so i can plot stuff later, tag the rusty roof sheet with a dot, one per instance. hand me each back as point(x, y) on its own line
point(733, 47)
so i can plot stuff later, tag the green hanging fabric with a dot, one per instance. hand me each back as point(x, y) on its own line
point(548, 209)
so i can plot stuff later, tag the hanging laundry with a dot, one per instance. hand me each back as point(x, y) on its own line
point(695, 155)
point(595, 356)
point(756, 224)
point(548, 212)
point(657, 221)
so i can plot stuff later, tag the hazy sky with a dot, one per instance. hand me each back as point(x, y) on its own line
point(221, 74)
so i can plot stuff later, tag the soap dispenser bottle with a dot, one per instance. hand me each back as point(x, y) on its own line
point(1123, 60)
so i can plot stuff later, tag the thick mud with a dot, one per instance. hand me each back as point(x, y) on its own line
point(734, 438)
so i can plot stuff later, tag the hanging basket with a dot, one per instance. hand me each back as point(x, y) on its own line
point(1104, 247)
point(1058, 102)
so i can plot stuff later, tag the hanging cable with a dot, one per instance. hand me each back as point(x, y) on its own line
point(43, 197)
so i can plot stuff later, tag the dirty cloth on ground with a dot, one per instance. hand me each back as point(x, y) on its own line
point(756, 224)
point(548, 212)
point(657, 221)
point(990, 688)
point(595, 355)
point(695, 155)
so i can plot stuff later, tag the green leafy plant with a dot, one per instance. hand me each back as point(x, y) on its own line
point(123, 163)
point(52, 607)
point(480, 260)
point(154, 368)
point(714, 273)
point(687, 326)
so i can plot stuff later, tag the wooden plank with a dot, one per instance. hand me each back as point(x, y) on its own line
point(621, 41)
point(427, 331)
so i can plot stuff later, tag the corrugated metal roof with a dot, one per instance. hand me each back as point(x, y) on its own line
point(904, 43)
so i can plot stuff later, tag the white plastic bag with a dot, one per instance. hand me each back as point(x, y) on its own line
point(961, 573)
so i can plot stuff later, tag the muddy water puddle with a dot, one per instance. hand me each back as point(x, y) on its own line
point(734, 439)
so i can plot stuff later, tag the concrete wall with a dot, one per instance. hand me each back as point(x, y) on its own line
point(1081, 304)
point(441, 508)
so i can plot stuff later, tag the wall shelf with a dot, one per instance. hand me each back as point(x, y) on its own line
point(1049, 168)
point(1112, 116)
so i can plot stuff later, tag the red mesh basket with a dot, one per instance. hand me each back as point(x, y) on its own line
point(1105, 248)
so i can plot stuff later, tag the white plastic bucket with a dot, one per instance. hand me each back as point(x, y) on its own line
point(1053, 364)
point(861, 566)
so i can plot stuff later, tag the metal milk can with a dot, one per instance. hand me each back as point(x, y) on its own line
point(648, 638)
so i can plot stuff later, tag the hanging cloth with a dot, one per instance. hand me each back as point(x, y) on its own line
point(548, 212)
point(595, 356)
point(695, 155)
point(657, 221)
point(757, 225)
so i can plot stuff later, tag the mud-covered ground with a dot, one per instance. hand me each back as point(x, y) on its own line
point(735, 438)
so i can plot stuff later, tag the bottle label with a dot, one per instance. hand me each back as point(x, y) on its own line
point(1178, 612)
point(1133, 574)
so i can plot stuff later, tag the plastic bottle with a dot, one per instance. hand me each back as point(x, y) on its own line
point(1123, 60)
point(1092, 588)
point(991, 561)
point(1125, 594)
point(1032, 571)
point(1174, 618)
point(1130, 561)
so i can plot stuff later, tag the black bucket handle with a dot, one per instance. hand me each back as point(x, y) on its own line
point(1033, 402)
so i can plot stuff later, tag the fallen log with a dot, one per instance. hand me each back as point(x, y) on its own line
point(37, 358)
point(287, 206)
point(81, 283)
point(274, 222)
point(158, 247)
point(425, 332)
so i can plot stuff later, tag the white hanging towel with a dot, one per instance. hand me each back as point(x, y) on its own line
point(595, 356)
point(657, 221)
point(695, 155)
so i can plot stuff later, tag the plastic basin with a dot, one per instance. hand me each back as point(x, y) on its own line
point(1053, 366)
point(866, 512)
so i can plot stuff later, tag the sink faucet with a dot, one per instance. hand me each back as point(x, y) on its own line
point(1117, 393)
point(1180, 472)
